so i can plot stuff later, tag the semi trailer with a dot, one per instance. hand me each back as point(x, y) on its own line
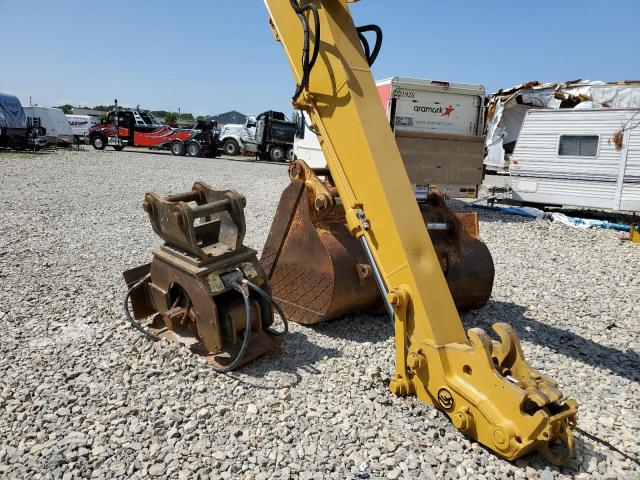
point(438, 127)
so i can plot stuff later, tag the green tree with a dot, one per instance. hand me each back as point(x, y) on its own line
point(171, 118)
point(67, 109)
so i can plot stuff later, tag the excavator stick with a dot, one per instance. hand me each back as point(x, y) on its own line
point(317, 270)
point(204, 288)
point(485, 386)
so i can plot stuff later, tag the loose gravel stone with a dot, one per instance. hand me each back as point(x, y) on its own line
point(82, 395)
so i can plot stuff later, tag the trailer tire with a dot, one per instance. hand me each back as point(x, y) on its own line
point(118, 148)
point(178, 149)
point(291, 156)
point(231, 147)
point(194, 149)
point(277, 154)
point(99, 142)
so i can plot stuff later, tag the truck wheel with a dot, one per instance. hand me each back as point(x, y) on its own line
point(291, 156)
point(277, 154)
point(98, 142)
point(194, 149)
point(118, 148)
point(231, 147)
point(177, 148)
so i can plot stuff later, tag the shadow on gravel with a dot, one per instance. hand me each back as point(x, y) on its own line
point(485, 215)
point(297, 354)
point(623, 363)
point(360, 327)
point(239, 158)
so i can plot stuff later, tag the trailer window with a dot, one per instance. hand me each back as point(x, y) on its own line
point(579, 146)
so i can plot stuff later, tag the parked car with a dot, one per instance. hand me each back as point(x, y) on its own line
point(53, 121)
point(15, 131)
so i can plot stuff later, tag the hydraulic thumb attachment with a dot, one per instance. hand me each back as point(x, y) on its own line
point(486, 387)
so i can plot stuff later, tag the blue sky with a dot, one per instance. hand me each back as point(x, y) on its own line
point(210, 56)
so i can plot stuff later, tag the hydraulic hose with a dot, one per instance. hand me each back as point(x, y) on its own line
point(247, 329)
point(371, 56)
point(275, 306)
point(247, 332)
point(127, 313)
point(308, 62)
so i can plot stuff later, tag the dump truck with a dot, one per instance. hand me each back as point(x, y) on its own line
point(205, 288)
point(269, 136)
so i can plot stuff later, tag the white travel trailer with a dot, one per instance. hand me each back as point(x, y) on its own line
point(54, 121)
point(579, 157)
point(81, 124)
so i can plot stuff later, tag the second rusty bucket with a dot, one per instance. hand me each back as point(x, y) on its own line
point(317, 270)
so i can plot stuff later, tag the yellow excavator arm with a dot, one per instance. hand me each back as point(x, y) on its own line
point(485, 386)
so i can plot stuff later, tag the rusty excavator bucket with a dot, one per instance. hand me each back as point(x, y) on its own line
point(317, 270)
point(203, 287)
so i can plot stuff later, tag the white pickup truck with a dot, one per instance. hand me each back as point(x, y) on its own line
point(439, 130)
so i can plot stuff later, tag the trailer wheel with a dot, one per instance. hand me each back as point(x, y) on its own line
point(277, 154)
point(178, 149)
point(194, 149)
point(231, 147)
point(291, 156)
point(98, 142)
point(118, 148)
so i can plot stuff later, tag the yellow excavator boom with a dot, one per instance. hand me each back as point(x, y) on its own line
point(485, 386)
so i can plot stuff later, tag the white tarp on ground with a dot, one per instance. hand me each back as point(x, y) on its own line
point(508, 107)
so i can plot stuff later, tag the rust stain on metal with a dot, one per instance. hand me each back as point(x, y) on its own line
point(317, 270)
point(204, 231)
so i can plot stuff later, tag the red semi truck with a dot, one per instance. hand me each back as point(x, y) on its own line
point(139, 128)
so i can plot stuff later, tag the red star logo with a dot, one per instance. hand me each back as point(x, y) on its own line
point(448, 111)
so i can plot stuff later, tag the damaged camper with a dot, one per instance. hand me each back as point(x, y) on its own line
point(507, 108)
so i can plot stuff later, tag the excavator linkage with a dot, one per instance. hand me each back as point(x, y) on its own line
point(485, 386)
point(318, 271)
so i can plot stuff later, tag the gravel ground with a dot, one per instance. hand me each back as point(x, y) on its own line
point(83, 395)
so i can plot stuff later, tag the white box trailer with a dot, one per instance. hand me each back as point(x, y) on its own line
point(579, 157)
point(81, 124)
point(439, 130)
point(54, 121)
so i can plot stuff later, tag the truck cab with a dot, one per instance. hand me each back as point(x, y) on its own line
point(270, 136)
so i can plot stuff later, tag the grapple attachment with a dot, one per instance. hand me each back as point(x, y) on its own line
point(317, 270)
point(196, 283)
